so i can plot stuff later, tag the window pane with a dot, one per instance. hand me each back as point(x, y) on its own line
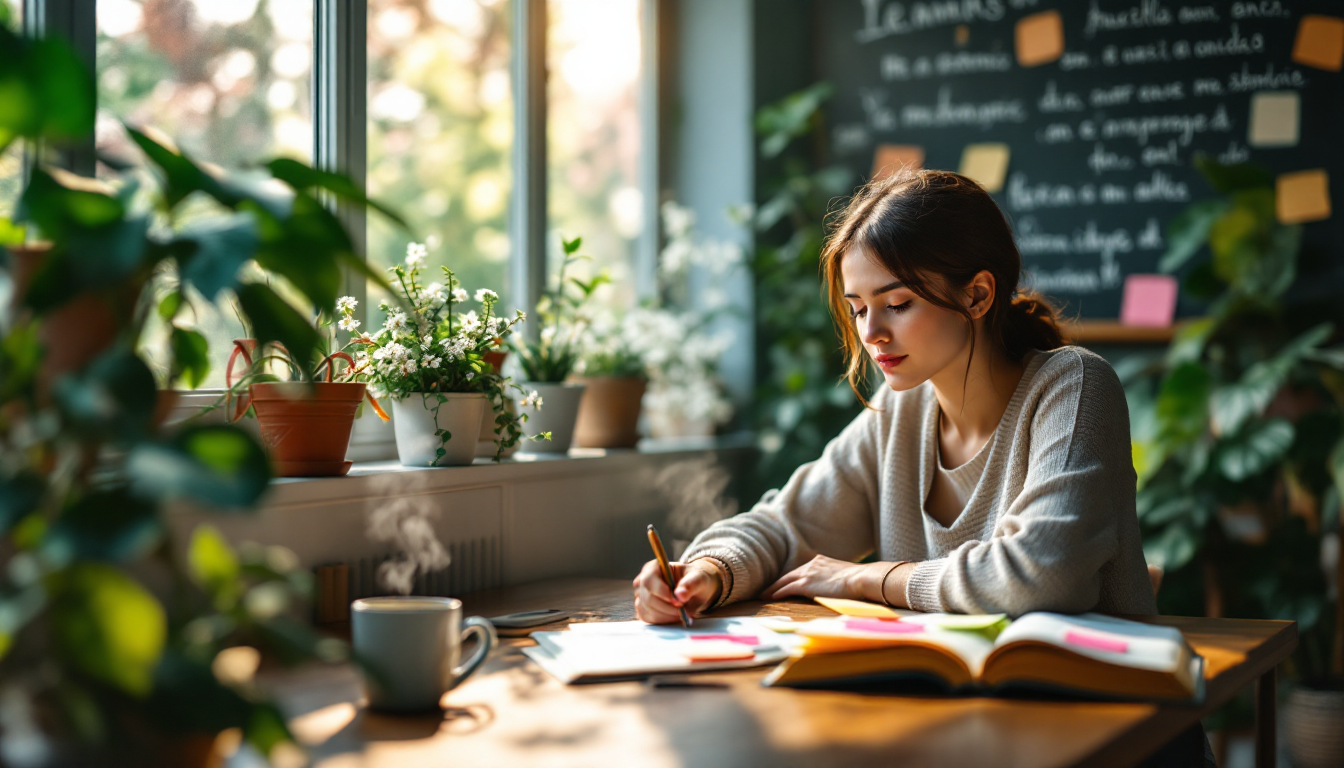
point(440, 133)
point(11, 160)
point(228, 80)
point(593, 132)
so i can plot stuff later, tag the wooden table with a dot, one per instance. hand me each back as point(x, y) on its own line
point(511, 713)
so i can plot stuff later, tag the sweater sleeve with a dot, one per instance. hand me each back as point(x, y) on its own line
point(827, 507)
point(1047, 550)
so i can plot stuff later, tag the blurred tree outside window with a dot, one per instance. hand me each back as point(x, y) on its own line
point(230, 82)
point(440, 133)
point(11, 160)
point(593, 56)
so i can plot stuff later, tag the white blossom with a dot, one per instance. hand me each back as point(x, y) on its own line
point(431, 361)
point(407, 366)
point(415, 254)
point(531, 400)
point(471, 324)
point(434, 294)
point(348, 323)
point(483, 293)
point(346, 304)
point(459, 295)
point(395, 322)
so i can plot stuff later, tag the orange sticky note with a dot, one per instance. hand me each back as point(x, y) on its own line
point(1320, 42)
point(1040, 38)
point(986, 163)
point(891, 158)
point(1303, 196)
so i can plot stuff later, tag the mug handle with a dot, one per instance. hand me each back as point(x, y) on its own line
point(486, 642)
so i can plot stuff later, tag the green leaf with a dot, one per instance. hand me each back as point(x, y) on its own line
point(108, 625)
point(112, 398)
point(302, 178)
point(169, 306)
point(1188, 232)
point(20, 496)
point(64, 83)
point(191, 356)
point(306, 249)
point(1173, 547)
point(109, 525)
point(1187, 345)
point(214, 566)
point(273, 319)
point(1233, 404)
point(571, 246)
point(1183, 401)
point(1254, 449)
point(1233, 178)
point(216, 465)
point(1337, 467)
point(220, 246)
point(181, 176)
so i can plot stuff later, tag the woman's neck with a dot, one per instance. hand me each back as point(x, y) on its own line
point(972, 404)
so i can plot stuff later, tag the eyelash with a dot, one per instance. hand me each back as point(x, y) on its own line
point(897, 308)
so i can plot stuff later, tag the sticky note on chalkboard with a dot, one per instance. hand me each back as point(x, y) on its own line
point(1303, 196)
point(1320, 42)
point(986, 163)
point(890, 158)
point(1274, 119)
point(1149, 300)
point(1040, 38)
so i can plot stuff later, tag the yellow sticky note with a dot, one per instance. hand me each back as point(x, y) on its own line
point(1039, 38)
point(891, 158)
point(1303, 196)
point(1320, 42)
point(858, 608)
point(986, 163)
point(1274, 119)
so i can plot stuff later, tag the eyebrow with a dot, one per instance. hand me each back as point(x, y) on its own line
point(879, 291)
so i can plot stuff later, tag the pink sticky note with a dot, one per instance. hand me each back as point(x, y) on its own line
point(1095, 641)
point(743, 639)
point(882, 625)
point(1149, 300)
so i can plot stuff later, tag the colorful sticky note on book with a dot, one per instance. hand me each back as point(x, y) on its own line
point(965, 623)
point(883, 626)
point(858, 608)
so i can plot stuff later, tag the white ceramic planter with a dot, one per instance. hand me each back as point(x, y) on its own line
point(559, 410)
point(415, 426)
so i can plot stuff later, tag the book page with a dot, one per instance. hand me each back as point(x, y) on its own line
point(839, 634)
point(1104, 638)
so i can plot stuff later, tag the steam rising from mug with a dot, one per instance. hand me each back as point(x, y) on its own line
point(695, 491)
point(405, 523)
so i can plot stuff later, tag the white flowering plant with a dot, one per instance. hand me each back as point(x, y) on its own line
point(557, 350)
point(428, 346)
point(611, 351)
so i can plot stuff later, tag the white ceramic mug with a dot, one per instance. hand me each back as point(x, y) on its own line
point(411, 647)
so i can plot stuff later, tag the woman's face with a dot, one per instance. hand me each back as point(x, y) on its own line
point(910, 339)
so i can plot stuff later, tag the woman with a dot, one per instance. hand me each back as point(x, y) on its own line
point(991, 474)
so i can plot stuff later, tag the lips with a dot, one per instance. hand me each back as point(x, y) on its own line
point(889, 362)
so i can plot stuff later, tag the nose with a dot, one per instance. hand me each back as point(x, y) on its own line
point(875, 332)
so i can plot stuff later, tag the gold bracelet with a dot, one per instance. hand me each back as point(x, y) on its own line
point(883, 588)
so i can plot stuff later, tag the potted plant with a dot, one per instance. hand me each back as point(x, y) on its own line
point(1238, 430)
point(117, 646)
point(547, 362)
point(612, 372)
point(429, 359)
point(305, 417)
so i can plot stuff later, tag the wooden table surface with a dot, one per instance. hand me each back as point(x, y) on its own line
point(512, 713)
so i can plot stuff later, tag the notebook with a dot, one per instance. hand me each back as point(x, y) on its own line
point(1091, 654)
point(626, 650)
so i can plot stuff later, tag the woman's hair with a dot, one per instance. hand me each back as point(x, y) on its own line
point(936, 224)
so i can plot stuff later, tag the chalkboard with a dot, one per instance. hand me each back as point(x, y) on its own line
point(1099, 107)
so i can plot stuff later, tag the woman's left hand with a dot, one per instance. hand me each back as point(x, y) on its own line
point(823, 576)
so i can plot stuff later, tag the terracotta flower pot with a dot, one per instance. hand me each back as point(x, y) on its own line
point(609, 412)
point(307, 427)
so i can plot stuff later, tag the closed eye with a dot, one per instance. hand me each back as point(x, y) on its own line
point(897, 308)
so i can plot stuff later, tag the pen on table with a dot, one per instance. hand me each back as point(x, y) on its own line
point(658, 552)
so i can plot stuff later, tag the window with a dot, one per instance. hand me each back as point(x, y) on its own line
point(229, 80)
point(440, 129)
point(11, 160)
point(593, 134)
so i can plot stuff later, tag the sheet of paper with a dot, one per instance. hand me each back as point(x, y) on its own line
point(858, 608)
point(890, 158)
point(1320, 42)
point(1040, 39)
point(986, 163)
point(1149, 300)
point(1275, 117)
point(1303, 196)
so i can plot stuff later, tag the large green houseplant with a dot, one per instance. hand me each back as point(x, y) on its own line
point(1239, 427)
point(116, 645)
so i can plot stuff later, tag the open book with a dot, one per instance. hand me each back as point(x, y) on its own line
point(1091, 654)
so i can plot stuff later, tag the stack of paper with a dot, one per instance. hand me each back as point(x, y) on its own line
point(593, 651)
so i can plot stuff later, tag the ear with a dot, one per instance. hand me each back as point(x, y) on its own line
point(980, 293)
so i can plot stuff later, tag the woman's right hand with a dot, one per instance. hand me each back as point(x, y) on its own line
point(698, 586)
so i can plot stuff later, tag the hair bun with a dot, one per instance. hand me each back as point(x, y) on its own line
point(1033, 324)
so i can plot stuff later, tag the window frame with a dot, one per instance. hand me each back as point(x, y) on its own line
point(340, 127)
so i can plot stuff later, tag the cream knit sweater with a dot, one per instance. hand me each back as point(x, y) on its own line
point(1050, 526)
